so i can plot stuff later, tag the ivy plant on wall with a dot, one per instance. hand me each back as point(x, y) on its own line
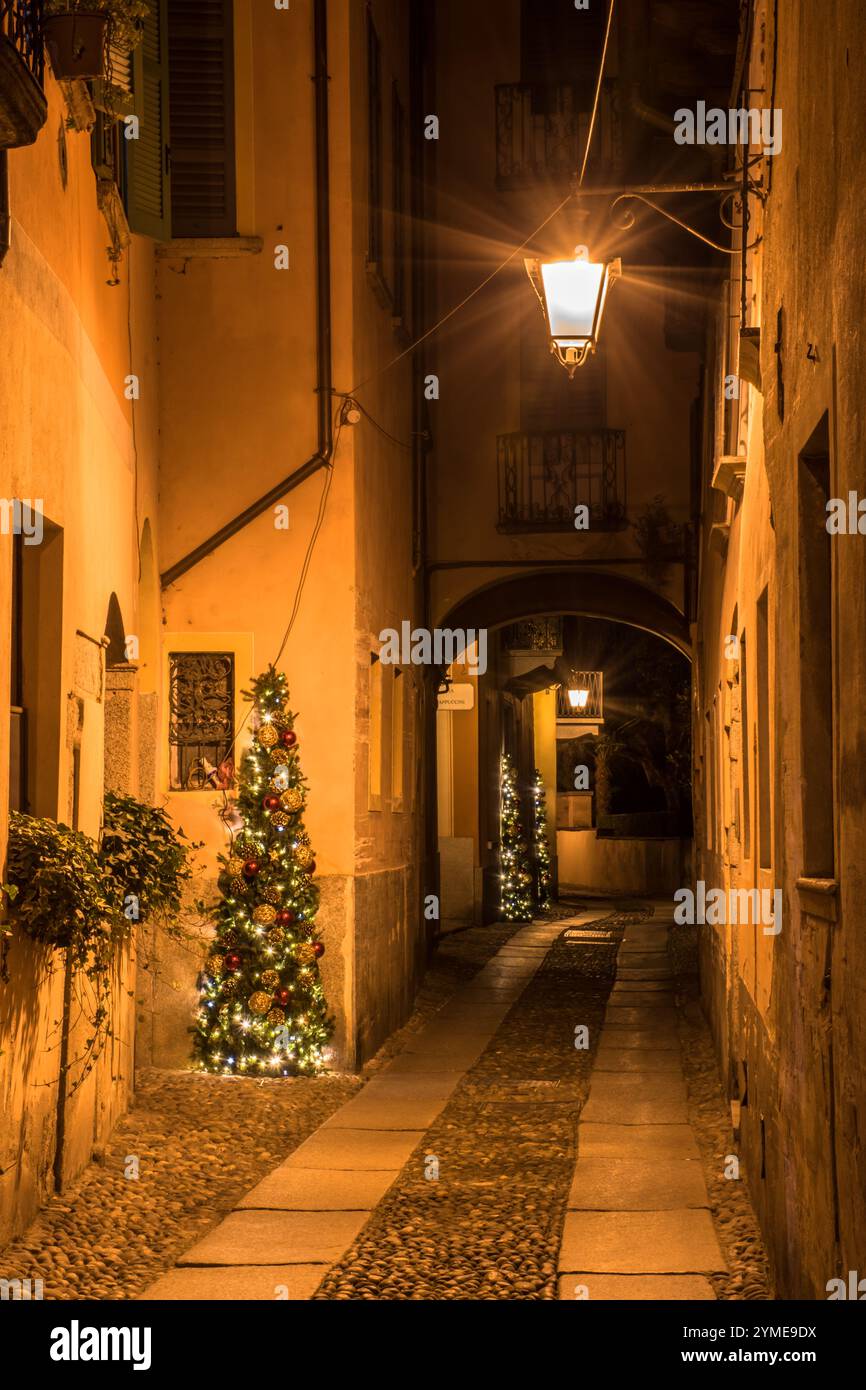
point(70, 893)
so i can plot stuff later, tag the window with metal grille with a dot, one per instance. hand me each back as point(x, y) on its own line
point(201, 106)
point(201, 719)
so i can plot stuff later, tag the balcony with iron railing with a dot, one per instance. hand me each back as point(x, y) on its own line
point(541, 132)
point(544, 478)
point(23, 107)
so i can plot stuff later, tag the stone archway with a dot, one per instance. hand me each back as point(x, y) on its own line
point(572, 592)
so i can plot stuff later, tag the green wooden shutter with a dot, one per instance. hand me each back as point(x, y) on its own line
point(202, 118)
point(148, 183)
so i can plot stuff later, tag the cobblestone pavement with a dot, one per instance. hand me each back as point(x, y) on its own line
point(488, 1227)
point(201, 1142)
point(486, 1223)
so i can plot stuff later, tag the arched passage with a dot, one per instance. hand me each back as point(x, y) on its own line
point(632, 835)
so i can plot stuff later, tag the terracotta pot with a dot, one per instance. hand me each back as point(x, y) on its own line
point(75, 43)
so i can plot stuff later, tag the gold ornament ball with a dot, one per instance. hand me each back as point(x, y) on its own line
point(264, 915)
point(305, 953)
point(216, 965)
point(230, 989)
point(267, 736)
point(276, 1016)
point(270, 978)
point(234, 866)
point(230, 938)
point(292, 800)
point(280, 756)
point(279, 820)
point(276, 936)
point(238, 886)
point(304, 855)
point(272, 896)
point(260, 1002)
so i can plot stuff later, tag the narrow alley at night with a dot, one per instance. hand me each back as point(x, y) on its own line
point(433, 806)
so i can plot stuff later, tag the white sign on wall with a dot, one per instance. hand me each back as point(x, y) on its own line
point(460, 696)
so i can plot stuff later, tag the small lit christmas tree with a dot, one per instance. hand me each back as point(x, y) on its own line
point(540, 842)
point(262, 1009)
point(515, 877)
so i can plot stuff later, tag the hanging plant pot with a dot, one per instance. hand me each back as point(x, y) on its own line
point(75, 42)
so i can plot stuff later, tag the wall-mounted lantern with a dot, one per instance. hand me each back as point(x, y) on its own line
point(572, 295)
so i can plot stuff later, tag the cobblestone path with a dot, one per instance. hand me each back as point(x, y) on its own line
point(477, 1212)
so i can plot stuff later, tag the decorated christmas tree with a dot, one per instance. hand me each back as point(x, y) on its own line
point(262, 1009)
point(540, 842)
point(516, 880)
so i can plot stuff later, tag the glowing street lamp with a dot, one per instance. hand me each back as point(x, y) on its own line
point(572, 295)
point(577, 698)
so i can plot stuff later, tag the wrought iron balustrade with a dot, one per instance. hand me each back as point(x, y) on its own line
point(544, 477)
point(541, 132)
point(21, 25)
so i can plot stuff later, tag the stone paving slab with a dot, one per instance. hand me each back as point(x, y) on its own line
point(666, 1040)
point(625, 974)
point(627, 1016)
point(633, 1288)
point(237, 1283)
point(447, 1041)
point(622, 1184)
point(655, 1002)
point(645, 1086)
point(653, 1141)
point(614, 1111)
point(641, 986)
point(390, 1110)
point(636, 1059)
point(332, 1147)
point(318, 1189)
point(641, 1242)
point(277, 1237)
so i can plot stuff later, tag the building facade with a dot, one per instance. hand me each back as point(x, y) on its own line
point(207, 250)
point(779, 657)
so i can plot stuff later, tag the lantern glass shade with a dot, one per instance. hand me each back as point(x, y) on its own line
point(578, 698)
point(572, 295)
point(571, 290)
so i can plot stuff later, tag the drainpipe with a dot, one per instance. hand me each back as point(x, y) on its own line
point(324, 382)
point(5, 214)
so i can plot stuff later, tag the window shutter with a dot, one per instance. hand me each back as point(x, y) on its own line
point(202, 118)
point(148, 193)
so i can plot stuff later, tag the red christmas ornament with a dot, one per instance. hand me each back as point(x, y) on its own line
point(319, 949)
point(271, 802)
point(285, 917)
point(251, 868)
point(288, 738)
point(283, 997)
point(233, 961)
